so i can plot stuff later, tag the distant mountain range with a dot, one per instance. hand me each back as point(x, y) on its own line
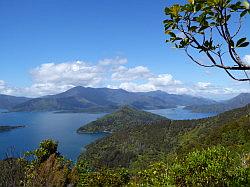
point(85, 99)
point(81, 99)
point(236, 102)
point(8, 102)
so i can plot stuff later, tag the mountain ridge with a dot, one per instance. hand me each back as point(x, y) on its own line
point(86, 98)
point(238, 101)
point(8, 101)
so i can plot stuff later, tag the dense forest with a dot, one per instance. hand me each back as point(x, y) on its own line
point(207, 152)
point(137, 145)
point(122, 118)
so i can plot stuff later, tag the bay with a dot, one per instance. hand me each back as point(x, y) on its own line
point(180, 113)
point(62, 128)
point(44, 125)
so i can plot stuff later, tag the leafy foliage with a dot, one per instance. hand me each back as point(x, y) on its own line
point(216, 166)
point(204, 26)
point(104, 177)
point(45, 150)
point(138, 145)
point(207, 152)
point(12, 172)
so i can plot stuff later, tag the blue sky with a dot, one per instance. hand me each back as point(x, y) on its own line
point(109, 43)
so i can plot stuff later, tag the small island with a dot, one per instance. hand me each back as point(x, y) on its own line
point(4, 128)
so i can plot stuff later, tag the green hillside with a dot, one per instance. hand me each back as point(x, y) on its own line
point(124, 117)
point(213, 152)
point(138, 145)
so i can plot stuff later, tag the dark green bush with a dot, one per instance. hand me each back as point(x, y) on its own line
point(216, 166)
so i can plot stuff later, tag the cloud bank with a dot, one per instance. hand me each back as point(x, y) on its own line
point(52, 78)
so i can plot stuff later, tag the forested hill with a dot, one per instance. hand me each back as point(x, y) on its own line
point(124, 117)
point(239, 101)
point(136, 146)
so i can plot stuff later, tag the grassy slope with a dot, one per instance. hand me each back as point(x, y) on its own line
point(138, 145)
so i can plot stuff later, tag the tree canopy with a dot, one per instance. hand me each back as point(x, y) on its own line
point(212, 28)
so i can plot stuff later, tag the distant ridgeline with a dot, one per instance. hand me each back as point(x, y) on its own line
point(8, 102)
point(81, 99)
point(122, 118)
point(236, 102)
point(137, 144)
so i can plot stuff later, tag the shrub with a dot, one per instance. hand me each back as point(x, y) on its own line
point(103, 177)
point(156, 175)
point(49, 168)
point(46, 148)
point(216, 166)
point(12, 172)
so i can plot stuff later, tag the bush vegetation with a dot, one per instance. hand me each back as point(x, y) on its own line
point(208, 152)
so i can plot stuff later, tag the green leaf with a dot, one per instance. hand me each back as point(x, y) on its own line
point(203, 28)
point(172, 34)
point(168, 31)
point(193, 28)
point(246, 4)
point(240, 41)
point(244, 44)
point(242, 14)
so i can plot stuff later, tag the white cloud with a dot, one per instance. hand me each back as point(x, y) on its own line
point(246, 60)
point(134, 87)
point(128, 74)
point(207, 89)
point(75, 73)
point(41, 89)
point(115, 61)
point(5, 89)
point(163, 80)
point(203, 85)
point(52, 78)
point(2, 84)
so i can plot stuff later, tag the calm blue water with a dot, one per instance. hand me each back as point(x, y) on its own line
point(61, 127)
point(40, 126)
point(180, 114)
